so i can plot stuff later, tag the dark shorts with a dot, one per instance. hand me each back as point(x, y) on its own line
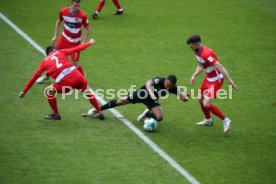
point(140, 97)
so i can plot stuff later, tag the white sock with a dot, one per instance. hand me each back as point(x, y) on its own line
point(120, 9)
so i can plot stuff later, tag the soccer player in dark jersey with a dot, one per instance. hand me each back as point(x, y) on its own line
point(148, 94)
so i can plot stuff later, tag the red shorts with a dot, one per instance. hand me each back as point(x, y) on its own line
point(210, 89)
point(63, 43)
point(74, 80)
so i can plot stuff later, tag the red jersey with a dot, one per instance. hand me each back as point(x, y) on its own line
point(207, 58)
point(56, 64)
point(72, 24)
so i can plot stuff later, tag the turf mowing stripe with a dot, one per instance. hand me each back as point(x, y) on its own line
point(116, 113)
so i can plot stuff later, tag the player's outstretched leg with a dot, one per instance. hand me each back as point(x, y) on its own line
point(119, 10)
point(51, 97)
point(109, 105)
point(99, 8)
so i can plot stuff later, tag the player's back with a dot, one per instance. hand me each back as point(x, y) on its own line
point(55, 63)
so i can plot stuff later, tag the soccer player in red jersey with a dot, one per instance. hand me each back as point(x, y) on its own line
point(119, 10)
point(215, 74)
point(74, 18)
point(66, 77)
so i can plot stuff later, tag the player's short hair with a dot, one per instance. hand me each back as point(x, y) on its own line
point(172, 79)
point(49, 49)
point(77, 1)
point(193, 39)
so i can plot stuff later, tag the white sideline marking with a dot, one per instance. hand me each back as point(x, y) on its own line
point(116, 113)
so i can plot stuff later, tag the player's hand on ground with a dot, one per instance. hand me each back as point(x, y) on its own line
point(92, 41)
point(184, 96)
point(54, 40)
point(21, 95)
point(192, 81)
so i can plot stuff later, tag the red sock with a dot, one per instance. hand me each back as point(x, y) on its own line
point(205, 111)
point(117, 4)
point(94, 101)
point(100, 5)
point(53, 103)
point(216, 112)
point(80, 69)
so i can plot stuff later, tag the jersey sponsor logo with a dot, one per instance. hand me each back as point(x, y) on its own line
point(72, 19)
point(72, 30)
point(210, 59)
point(71, 25)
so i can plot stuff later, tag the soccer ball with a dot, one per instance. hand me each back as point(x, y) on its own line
point(150, 125)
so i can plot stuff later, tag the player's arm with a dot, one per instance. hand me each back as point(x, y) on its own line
point(87, 31)
point(225, 73)
point(184, 96)
point(181, 95)
point(198, 71)
point(57, 29)
point(86, 26)
point(37, 73)
point(79, 48)
point(149, 87)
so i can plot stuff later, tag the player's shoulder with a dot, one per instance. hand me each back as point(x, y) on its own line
point(81, 13)
point(207, 52)
point(64, 10)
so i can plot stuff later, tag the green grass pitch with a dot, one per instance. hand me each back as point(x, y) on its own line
point(148, 40)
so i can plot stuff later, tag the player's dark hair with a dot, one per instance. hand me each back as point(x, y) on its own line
point(193, 39)
point(50, 49)
point(172, 79)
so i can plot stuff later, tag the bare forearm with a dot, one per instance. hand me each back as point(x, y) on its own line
point(198, 71)
point(149, 88)
point(87, 31)
point(57, 28)
point(224, 72)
